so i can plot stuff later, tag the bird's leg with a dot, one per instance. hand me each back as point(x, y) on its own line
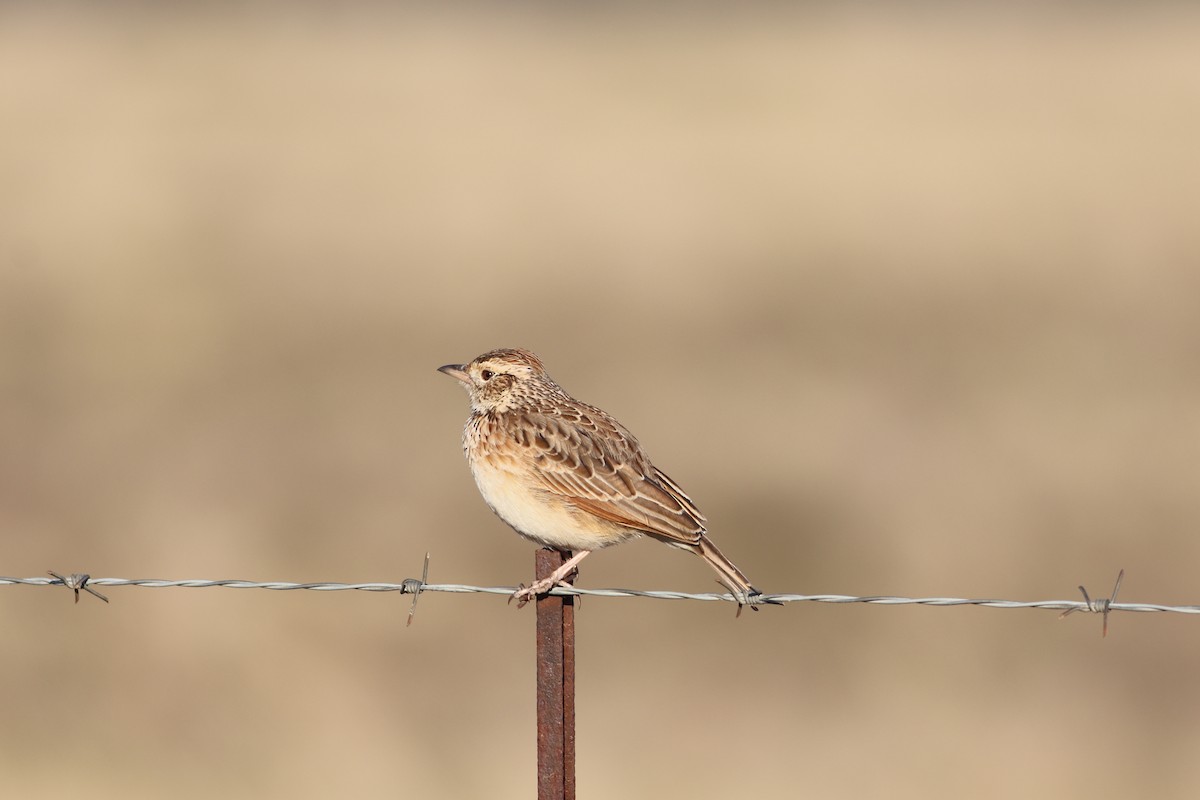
point(526, 593)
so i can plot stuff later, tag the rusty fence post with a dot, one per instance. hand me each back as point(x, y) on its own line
point(555, 687)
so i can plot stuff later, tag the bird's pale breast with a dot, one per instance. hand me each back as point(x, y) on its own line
point(503, 471)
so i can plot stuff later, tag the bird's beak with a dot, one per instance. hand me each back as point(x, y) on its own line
point(458, 371)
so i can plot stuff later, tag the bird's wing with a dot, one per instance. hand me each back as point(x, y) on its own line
point(594, 463)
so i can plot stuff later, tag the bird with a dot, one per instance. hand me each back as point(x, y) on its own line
point(568, 476)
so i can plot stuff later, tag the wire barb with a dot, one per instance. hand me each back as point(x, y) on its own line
point(1101, 605)
point(77, 581)
point(413, 586)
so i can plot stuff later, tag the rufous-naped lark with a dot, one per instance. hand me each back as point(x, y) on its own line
point(566, 475)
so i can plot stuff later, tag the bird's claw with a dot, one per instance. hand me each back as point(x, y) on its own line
point(519, 595)
point(524, 593)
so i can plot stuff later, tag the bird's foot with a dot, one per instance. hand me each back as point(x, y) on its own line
point(562, 576)
point(524, 593)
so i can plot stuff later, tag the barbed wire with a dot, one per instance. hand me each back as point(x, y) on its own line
point(415, 587)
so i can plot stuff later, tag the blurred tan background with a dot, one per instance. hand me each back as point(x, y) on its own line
point(906, 299)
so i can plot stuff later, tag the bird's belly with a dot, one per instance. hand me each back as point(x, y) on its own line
point(541, 516)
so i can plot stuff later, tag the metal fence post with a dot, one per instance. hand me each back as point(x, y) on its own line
point(555, 687)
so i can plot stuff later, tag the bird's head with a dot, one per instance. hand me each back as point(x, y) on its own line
point(503, 379)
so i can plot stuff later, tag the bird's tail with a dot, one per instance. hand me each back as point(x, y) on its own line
point(729, 575)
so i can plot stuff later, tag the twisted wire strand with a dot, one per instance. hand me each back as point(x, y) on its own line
point(412, 586)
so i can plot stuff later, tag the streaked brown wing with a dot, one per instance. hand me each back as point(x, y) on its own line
point(594, 463)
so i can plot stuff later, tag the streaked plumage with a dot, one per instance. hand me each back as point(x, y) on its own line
point(566, 475)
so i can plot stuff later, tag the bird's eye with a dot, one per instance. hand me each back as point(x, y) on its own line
point(486, 374)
